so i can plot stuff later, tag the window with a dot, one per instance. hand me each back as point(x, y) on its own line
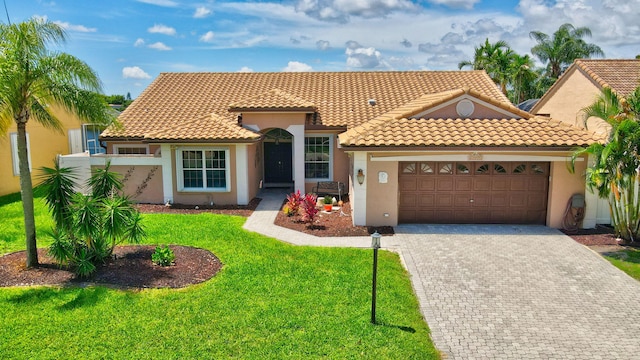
point(203, 170)
point(14, 153)
point(130, 149)
point(317, 157)
point(90, 142)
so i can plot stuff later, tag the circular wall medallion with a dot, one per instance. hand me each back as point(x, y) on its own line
point(465, 108)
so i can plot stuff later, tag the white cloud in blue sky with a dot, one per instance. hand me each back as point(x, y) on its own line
point(323, 35)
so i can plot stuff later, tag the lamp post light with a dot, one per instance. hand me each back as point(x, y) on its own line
point(375, 244)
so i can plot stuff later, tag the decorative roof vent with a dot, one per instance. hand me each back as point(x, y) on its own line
point(372, 102)
point(465, 108)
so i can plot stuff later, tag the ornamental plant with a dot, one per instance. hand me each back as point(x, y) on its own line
point(294, 200)
point(308, 208)
point(88, 227)
point(163, 256)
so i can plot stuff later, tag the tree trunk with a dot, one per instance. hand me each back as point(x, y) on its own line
point(26, 192)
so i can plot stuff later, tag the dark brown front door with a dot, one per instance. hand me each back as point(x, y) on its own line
point(473, 192)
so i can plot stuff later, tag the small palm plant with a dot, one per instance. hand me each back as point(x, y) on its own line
point(88, 227)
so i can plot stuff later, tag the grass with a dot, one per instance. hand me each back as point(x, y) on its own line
point(626, 260)
point(270, 301)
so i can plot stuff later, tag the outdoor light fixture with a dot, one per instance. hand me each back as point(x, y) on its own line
point(375, 244)
point(360, 177)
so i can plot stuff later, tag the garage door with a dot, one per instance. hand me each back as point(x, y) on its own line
point(473, 192)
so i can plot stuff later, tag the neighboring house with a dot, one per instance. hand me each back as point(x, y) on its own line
point(580, 86)
point(43, 145)
point(433, 146)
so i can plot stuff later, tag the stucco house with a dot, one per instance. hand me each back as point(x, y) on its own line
point(433, 146)
point(580, 86)
point(43, 145)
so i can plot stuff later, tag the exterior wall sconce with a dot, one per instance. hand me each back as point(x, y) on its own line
point(360, 177)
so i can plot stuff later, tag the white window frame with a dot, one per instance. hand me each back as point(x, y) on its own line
point(95, 142)
point(304, 162)
point(117, 147)
point(14, 153)
point(180, 169)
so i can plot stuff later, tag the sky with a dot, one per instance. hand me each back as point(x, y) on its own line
point(129, 43)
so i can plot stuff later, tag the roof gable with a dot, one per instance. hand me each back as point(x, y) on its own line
point(621, 75)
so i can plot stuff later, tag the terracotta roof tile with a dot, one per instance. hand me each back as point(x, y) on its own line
point(536, 131)
point(621, 75)
point(340, 98)
point(209, 127)
point(275, 99)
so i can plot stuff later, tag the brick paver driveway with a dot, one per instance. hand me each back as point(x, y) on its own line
point(520, 292)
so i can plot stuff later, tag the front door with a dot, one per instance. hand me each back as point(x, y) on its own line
point(277, 163)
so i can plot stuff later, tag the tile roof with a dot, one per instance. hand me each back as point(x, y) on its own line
point(272, 100)
point(621, 75)
point(536, 131)
point(399, 127)
point(205, 128)
point(174, 100)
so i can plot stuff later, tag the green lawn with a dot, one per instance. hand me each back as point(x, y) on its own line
point(627, 261)
point(271, 300)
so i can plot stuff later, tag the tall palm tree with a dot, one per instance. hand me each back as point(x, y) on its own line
point(561, 49)
point(522, 78)
point(615, 173)
point(32, 79)
point(495, 59)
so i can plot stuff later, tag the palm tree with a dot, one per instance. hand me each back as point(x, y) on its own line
point(494, 59)
point(523, 78)
point(32, 80)
point(560, 50)
point(615, 173)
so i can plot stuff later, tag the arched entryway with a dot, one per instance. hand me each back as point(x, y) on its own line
point(278, 158)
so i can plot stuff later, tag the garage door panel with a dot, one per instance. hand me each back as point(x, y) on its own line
point(426, 183)
point(407, 183)
point(463, 183)
point(444, 183)
point(426, 200)
point(511, 193)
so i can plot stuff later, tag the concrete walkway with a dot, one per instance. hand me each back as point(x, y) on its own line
point(501, 291)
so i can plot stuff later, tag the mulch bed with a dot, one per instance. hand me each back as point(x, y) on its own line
point(239, 210)
point(601, 235)
point(336, 223)
point(131, 268)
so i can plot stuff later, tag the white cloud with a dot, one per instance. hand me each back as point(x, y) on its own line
point(77, 28)
point(207, 37)
point(165, 3)
point(295, 66)
point(162, 29)
point(139, 42)
point(134, 72)
point(159, 46)
point(245, 69)
point(360, 57)
point(341, 10)
point(202, 12)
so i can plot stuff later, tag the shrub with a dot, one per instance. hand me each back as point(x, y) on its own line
point(163, 256)
point(308, 207)
point(88, 227)
point(294, 200)
point(328, 200)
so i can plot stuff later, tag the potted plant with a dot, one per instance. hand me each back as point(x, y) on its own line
point(328, 203)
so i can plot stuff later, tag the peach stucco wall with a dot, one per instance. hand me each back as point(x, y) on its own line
point(567, 101)
point(142, 183)
point(255, 168)
point(272, 120)
point(45, 145)
point(382, 198)
point(562, 185)
point(480, 111)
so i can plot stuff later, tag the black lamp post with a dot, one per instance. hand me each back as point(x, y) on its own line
point(375, 244)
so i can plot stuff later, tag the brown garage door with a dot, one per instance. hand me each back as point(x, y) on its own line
point(473, 192)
